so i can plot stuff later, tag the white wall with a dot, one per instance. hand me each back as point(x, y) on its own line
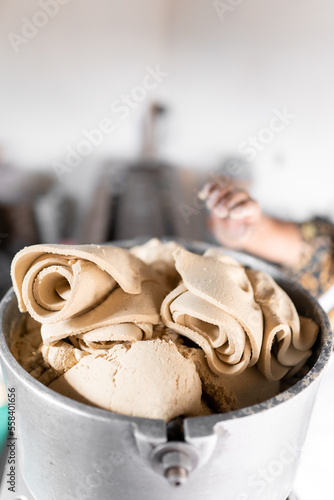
point(65, 79)
point(226, 76)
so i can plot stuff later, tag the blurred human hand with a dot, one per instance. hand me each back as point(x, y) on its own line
point(234, 215)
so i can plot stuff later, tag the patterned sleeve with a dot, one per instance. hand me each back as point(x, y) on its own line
point(315, 271)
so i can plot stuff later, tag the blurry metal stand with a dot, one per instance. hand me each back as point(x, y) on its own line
point(5, 281)
point(54, 213)
point(145, 199)
point(19, 189)
point(148, 197)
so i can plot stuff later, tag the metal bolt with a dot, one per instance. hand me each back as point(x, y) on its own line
point(174, 461)
point(176, 476)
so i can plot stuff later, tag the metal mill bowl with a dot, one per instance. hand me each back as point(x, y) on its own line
point(72, 451)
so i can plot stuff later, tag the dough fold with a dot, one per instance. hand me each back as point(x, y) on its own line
point(214, 307)
point(287, 337)
point(101, 290)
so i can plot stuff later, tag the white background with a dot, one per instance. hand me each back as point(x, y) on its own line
point(225, 78)
point(315, 476)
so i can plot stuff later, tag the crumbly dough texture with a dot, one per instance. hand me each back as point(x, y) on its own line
point(155, 331)
point(145, 379)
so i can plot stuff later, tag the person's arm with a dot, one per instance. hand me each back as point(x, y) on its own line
point(237, 222)
point(277, 241)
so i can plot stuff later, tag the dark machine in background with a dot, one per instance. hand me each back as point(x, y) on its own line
point(146, 199)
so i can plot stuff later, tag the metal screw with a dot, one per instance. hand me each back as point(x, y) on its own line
point(176, 476)
point(174, 461)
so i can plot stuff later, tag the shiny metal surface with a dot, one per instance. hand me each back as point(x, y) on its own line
point(72, 451)
point(175, 461)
